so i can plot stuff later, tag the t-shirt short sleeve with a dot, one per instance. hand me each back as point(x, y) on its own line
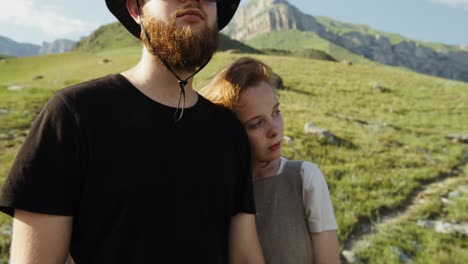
point(317, 202)
point(44, 175)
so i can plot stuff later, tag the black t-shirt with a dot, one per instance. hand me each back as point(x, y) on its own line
point(139, 186)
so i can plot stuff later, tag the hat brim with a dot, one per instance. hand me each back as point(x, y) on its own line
point(225, 10)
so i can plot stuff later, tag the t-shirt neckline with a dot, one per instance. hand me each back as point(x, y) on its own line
point(159, 104)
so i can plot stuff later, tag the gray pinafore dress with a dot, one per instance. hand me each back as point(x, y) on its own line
point(280, 219)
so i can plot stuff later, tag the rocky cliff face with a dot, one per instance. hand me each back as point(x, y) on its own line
point(409, 54)
point(262, 16)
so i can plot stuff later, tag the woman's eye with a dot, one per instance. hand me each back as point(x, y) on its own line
point(256, 124)
point(277, 112)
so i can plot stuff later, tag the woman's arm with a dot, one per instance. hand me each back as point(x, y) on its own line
point(325, 247)
point(40, 238)
point(244, 246)
point(319, 215)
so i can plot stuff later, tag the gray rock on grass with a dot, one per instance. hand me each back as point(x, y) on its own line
point(350, 257)
point(15, 88)
point(322, 134)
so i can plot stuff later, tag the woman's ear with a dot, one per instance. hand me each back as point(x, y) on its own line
point(132, 8)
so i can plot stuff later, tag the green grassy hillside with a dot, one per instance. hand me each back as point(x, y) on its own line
point(115, 36)
point(339, 28)
point(387, 144)
point(295, 40)
point(303, 53)
point(225, 44)
point(109, 36)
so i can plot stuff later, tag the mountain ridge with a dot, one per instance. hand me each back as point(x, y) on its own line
point(264, 16)
point(13, 48)
point(114, 35)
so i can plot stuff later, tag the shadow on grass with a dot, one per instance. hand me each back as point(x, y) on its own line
point(337, 141)
point(297, 91)
point(344, 143)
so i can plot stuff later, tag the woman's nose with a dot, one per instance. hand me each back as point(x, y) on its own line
point(274, 129)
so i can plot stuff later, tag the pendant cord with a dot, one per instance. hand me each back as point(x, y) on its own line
point(182, 83)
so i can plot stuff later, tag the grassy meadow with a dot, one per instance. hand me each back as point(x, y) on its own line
point(387, 144)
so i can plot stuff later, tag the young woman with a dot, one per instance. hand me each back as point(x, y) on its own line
point(295, 218)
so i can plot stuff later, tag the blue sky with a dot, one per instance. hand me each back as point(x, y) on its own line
point(443, 21)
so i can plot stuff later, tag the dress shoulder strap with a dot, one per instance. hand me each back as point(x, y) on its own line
point(292, 173)
point(293, 167)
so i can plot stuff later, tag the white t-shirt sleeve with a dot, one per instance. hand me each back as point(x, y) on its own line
point(317, 202)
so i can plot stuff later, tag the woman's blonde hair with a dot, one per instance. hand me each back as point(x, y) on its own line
point(227, 85)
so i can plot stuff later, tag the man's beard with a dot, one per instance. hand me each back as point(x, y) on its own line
point(182, 48)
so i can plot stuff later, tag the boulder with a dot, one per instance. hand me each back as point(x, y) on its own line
point(443, 227)
point(463, 139)
point(380, 88)
point(15, 88)
point(349, 256)
point(323, 135)
point(104, 61)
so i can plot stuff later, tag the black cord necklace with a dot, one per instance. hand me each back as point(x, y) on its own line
point(182, 83)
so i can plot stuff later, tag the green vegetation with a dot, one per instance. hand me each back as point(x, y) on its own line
point(110, 36)
point(305, 53)
point(227, 44)
point(3, 56)
point(341, 28)
point(295, 40)
point(387, 143)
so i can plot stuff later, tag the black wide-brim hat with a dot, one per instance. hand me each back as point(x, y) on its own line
point(225, 10)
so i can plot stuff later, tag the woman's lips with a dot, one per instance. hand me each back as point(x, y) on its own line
point(275, 146)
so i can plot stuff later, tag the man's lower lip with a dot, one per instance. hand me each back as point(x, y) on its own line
point(190, 17)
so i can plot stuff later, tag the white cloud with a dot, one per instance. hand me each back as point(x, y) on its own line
point(28, 13)
point(454, 3)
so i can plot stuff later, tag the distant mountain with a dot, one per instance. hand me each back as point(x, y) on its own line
point(13, 48)
point(255, 22)
point(57, 46)
point(296, 41)
point(114, 36)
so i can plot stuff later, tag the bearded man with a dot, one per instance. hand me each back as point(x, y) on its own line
point(137, 167)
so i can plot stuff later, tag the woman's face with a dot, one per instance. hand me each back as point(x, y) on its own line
point(260, 114)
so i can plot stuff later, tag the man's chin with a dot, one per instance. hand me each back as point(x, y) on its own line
point(181, 45)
